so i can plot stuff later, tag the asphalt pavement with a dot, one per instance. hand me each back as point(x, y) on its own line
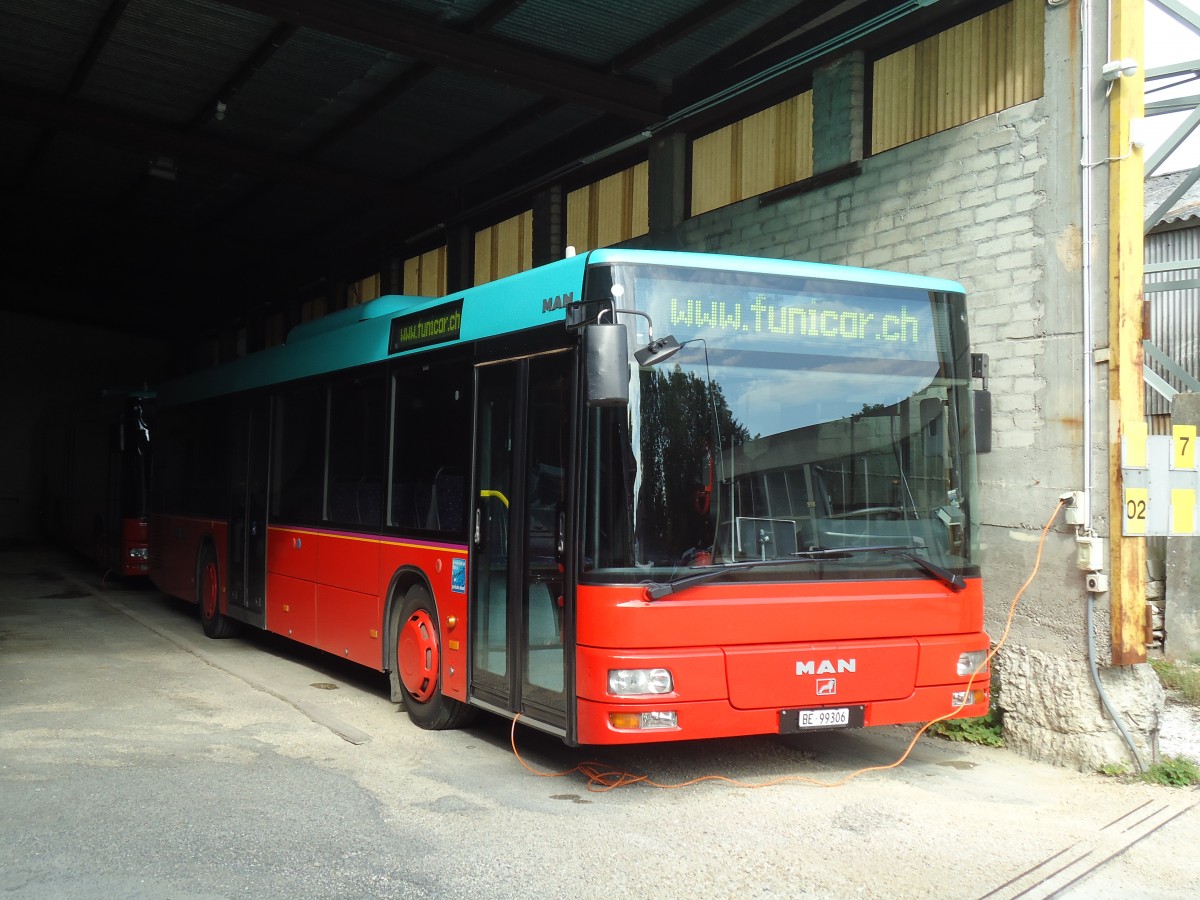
point(139, 759)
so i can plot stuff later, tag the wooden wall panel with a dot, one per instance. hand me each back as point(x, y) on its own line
point(425, 275)
point(975, 69)
point(611, 210)
point(504, 248)
point(769, 149)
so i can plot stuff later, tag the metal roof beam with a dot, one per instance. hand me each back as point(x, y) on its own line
point(1180, 12)
point(487, 57)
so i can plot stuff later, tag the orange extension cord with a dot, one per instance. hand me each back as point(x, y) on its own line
point(601, 777)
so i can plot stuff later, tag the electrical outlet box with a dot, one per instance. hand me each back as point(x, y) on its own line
point(1089, 553)
point(1076, 511)
point(1097, 582)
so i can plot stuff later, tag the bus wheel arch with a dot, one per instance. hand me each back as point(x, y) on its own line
point(208, 594)
point(415, 658)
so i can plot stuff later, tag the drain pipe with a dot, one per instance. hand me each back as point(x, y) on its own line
point(1137, 757)
point(1085, 527)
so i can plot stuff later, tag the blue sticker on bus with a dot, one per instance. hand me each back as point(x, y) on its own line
point(458, 576)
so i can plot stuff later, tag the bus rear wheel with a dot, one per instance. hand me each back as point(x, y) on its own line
point(208, 597)
point(416, 672)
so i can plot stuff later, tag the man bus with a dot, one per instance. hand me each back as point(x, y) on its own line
point(521, 499)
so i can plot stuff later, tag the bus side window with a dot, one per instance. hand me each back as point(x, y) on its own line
point(431, 445)
point(357, 447)
point(298, 451)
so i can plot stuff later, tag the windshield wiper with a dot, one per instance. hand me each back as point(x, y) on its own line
point(656, 591)
point(903, 551)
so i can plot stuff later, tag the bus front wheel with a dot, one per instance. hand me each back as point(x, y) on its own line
point(208, 597)
point(416, 672)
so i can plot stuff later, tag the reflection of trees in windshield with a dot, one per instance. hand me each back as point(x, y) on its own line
point(684, 424)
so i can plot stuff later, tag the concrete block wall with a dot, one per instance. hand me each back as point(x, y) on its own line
point(994, 204)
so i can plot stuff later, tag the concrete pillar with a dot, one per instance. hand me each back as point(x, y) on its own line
point(549, 225)
point(668, 189)
point(839, 105)
point(460, 258)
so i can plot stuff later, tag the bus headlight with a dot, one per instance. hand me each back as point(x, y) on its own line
point(139, 553)
point(970, 662)
point(635, 682)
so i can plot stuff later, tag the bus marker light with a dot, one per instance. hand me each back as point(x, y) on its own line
point(634, 682)
point(641, 721)
point(966, 698)
point(970, 662)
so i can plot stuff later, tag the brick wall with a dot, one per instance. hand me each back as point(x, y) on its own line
point(994, 204)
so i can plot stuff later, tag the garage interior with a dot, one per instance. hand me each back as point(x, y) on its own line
point(200, 169)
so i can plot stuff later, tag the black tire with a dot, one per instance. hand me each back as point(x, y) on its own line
point(416, 665)
point(208, 597)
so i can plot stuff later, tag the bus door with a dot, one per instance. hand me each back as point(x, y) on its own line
point(247, 569)
point(518, 610)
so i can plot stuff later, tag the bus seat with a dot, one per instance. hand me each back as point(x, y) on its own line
point(370, 503)
point(446, 506)
point(343, 503)
point(404, 514)
point(422, 505)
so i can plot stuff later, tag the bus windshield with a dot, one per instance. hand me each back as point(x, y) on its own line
point(821, 422)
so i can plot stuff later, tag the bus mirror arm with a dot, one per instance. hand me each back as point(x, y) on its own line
point(655, 351)
point(606, 349)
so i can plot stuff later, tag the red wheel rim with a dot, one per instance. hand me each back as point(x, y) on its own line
point(418, 657)
point(208, 590)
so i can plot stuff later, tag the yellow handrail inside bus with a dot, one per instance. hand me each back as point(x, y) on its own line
point(503, 499)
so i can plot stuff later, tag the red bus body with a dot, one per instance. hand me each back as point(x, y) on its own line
point(736, 683)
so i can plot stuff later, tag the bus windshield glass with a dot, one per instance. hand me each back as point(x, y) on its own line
point(819, 422)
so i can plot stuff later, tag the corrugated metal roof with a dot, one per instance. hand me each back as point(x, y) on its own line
point(335, 119)
point(1161, 187)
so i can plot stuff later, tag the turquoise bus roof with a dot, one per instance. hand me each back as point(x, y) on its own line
point(360, 335)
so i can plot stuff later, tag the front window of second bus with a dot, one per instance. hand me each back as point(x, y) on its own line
point(799, 419)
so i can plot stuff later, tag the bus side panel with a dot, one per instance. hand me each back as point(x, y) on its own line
point(292, 608)
point(348, 624)
point(176, 542)
point(443, 567)
point(348, 561)
point(292, 552)
point(349, 609)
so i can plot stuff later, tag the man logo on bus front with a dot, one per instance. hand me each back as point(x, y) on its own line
point(825, 666)
point(826, 686)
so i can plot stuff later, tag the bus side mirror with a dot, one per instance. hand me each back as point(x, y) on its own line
point(606, 348)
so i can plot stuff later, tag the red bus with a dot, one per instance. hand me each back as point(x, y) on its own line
point(521, 499)
point(98, 465)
